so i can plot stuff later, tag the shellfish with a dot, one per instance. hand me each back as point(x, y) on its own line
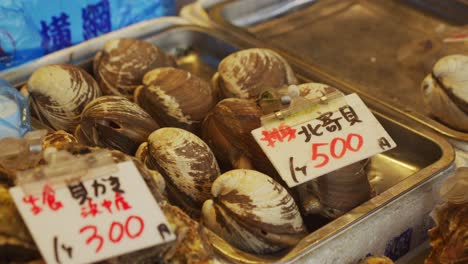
point(445, 91)
point(175, 97)
point(247, 73)
point(115, 122)
point(187, 164)
point(253, 212)
point(59, 93)
point(119, 68)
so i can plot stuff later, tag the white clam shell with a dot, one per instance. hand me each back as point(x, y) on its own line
point(120, 66)
point(59, 93)
point(253, 212)
point(247, 73)
point(185, 161)
point(445, 91)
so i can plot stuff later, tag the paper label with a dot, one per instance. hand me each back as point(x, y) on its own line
point(94, 219)
point(326, 143)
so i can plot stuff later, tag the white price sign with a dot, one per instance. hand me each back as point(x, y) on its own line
point(331, 141)
point(94, 219)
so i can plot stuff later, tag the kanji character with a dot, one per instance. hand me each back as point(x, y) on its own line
point(120, 202)
point(56, 35)
point(98, 186)
point(79, 191)
point(331, 124)
point(115, 183)
point(32, 200)
point(279, 134)
point(293, 169)
point(350, 115)
point(96, 19)
point(310, 130)
point(107, 204)
point(91, 209)
point(48, 197)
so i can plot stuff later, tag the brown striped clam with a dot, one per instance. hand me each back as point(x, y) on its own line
point(187, 164)
point(247, 73)
point(337, 192)
point(119, 68)
point(174, 97)
point(253, 212)
point(227, 129)
point(59, 93)
point(115, 122)
point(445, 91)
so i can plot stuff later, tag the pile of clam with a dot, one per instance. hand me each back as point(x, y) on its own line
point(193, 137)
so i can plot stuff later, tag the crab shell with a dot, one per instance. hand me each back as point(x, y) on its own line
point(175, 97)
point(247, 73)
point(59, 93)
point(253, 212)
point(187, 164)
point(116, 123)
point(119, 68)
point(445, 91)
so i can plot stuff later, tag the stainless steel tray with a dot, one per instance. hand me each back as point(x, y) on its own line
point(379, 48)
point(420, 154)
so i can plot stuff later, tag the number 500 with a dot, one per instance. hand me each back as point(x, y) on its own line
point(337, 148)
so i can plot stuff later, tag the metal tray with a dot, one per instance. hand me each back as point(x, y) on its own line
point(379, 48)
point(420, 154)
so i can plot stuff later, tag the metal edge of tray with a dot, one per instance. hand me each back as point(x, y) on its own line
point(334, 228)
point(339, 225)
point(82, 51)
point(204, 12)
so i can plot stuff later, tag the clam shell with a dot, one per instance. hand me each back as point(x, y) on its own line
point(59, 140)
point(227, 130)
point(187, 164)
point(445, 91)
point(247, 73)
point(253, 212)
point(59, 94)
point(175, 97)
point(115, 122)
point(119, 68)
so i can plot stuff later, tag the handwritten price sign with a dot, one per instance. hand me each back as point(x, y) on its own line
point(331, 141)
point(95, 219)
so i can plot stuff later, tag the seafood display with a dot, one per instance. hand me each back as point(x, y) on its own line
point(191, 141)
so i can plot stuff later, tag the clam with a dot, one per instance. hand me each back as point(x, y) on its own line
point(227, 129)
point(445, 91)
point(337, 192)
point(120, 66)
point(253, 212)
point(115, 122)
point(187, 164)
point(175, 97)
point(247, 73)
point(59, 94)
point(58, 139)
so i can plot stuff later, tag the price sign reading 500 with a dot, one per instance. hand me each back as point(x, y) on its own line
point(337, 148)
point(332, 140)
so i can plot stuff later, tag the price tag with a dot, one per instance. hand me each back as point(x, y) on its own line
point(332, 139)
point(94, 219)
